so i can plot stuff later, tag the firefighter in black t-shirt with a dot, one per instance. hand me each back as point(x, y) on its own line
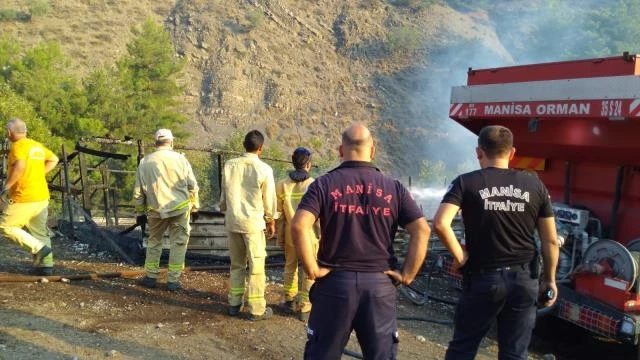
point(360, 210)
point(501, 209)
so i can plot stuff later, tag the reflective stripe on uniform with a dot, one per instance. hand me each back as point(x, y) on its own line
point(237, 291)
point(151, 265)
point(175, 267)
point(183, 205)
point(293, 196)
point(290, 287)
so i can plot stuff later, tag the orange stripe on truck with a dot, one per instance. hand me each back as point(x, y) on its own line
point(527, 163)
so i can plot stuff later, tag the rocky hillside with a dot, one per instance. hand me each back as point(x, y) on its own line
point(299, 70)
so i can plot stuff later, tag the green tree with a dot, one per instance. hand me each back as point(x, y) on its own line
point(205, 169)
point(147, 78)
point(613, 28)
point(42, 77)
point(9, 55)
point(107, 103)
point(13, 105)
point(135, 98)
point(279, 160)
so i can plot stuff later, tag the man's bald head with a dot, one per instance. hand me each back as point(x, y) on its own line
point(357, 143)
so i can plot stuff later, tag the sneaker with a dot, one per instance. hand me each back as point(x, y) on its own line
point(304, 316)
point(268, 312)
point(147, 282)
point(234, 310)
point(40, 255)
point(43, 271)
point(174, 286)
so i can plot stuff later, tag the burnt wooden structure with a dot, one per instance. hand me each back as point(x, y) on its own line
point(89, 182)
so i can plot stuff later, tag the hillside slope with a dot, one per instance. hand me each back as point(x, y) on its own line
point(299, 70)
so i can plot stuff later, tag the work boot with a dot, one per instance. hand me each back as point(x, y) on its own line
point(43, 271)
point(174, 286)
point(40, 255)
point(289, 307)
point(234, 310)
point(268, 312)
point(304, 316)
point(147, 282)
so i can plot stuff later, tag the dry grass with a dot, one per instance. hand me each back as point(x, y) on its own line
point(91, 33)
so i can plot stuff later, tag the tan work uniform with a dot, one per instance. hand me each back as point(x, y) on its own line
point(248, 198)
point(166, 190)
point(289, 193)
point(25, 219)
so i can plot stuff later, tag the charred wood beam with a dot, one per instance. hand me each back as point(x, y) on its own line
point(106, 154)
point(59, 188)
point(103, 234)
point(128, 140)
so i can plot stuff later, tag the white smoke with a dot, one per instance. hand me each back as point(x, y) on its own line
point(428, 199)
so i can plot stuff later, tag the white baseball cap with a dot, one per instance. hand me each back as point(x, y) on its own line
point(163, 134)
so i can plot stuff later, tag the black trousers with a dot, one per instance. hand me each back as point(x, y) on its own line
point(344, 301)
point(507, 296)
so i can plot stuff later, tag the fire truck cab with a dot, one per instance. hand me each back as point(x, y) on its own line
point(576, 124)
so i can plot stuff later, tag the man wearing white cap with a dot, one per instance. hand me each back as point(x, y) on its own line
point(166, 193)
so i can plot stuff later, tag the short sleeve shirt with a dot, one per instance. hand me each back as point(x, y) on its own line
point(32, 186)
point(500, 211)
point(360, 210)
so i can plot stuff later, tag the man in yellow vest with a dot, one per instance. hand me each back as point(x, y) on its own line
point(289, 192)
point(167, 191)
point(25, 196)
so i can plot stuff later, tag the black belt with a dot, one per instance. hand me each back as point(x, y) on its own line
point(510, 268)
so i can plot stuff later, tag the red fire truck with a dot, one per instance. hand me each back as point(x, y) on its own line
point(576, 124)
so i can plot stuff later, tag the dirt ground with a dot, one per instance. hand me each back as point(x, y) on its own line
point(115, 318)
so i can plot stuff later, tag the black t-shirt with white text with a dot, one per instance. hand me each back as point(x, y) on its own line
point(360, 210)
point(500, 211)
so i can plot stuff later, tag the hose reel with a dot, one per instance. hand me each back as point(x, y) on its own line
point(623, 262)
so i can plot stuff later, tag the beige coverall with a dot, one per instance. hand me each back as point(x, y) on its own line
point(289, 194)
point(167, 191)
point(248, 198)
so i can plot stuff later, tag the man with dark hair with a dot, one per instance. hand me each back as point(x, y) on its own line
point(253, 140)
point(356, 271)
point(501, 209)
point(165, 192)
point(495, 141)
point(248, 199)
point(25, 196)
point(289, 191)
